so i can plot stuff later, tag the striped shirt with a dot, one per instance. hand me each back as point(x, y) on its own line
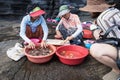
point(109, 18)
point(72, 22)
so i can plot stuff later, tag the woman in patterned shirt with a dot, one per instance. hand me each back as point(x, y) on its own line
point(69, 28)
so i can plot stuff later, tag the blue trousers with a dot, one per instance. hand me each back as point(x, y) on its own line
point(65, 33)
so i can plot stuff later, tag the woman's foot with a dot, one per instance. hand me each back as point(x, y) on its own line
point(58, 36)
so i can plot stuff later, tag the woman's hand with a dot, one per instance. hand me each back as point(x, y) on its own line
point(67, 39)
point(96, 34)
point(43, 44)
point(31, 45)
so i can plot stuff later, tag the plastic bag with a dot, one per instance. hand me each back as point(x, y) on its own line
point(15, 53)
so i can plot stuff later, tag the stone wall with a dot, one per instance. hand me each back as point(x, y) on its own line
point(18, 7)
point(14, 7)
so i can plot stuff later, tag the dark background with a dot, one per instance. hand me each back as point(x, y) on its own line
point(18, 7)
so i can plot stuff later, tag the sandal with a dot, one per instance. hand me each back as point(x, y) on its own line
point(118, 78)
point(111, 76)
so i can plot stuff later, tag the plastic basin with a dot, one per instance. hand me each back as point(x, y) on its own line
point(87, 34)
point(88, 45)
point(71, 54)
point(40, 59)
point(34, 40)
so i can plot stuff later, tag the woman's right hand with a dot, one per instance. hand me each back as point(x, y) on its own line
point(67, 39)
point(31, 45)
point(96, 34)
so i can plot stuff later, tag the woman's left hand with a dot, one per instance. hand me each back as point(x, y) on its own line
point(43, 44)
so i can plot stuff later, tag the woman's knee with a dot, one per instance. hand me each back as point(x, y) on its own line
point(95, 52)
point(98, 50)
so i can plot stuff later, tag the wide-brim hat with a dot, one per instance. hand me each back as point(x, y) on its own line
point(36, 12)
point(63, 13)
point(64, 9)
point(95, 6)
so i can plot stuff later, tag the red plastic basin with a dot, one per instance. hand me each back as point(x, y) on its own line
point(40, 59)
point(87, 34)
point(71, 54)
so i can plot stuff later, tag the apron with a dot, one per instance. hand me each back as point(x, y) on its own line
point(37, 34)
